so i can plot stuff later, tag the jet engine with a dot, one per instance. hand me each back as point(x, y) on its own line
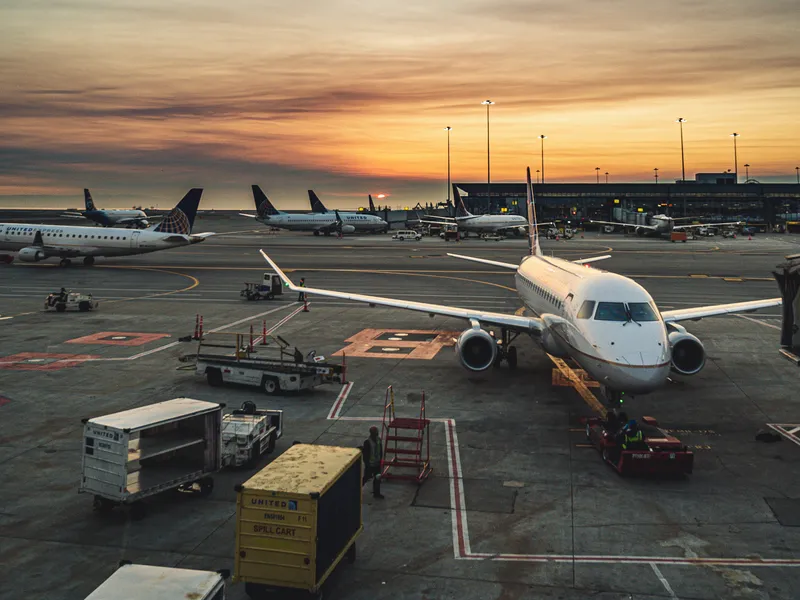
point(552, 345)
point(476, 349)
point(688, 353)
point(348, 229)
point(31, 255)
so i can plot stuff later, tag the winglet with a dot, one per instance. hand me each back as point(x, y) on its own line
point(286, 281)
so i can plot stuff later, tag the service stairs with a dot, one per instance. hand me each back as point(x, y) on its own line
point(407, 446)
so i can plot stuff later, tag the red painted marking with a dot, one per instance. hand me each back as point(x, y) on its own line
point(4, 400)
point(133, 339)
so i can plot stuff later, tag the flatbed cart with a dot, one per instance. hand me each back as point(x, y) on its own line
point(267, 289)
point(274, 366)
point(659, 454)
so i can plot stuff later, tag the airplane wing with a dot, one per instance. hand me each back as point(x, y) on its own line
point(125, 220)
point(199, 237)
point(486, 261)
point(73, 216)
point(695, 314)
point(513, 322)
point(706, 225)
point(622, 224)
point(246, 215)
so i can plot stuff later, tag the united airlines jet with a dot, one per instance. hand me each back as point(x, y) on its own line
point(607, 323)
point(110, 217)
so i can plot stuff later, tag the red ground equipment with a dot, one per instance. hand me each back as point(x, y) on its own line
point(658, 454)
point(407, 443)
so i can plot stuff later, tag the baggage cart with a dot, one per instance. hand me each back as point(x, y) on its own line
point(297, 519)
point(249, 433)
point(145, 582)
point(269, 287)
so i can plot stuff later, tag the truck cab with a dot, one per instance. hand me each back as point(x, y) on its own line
point(249, 433)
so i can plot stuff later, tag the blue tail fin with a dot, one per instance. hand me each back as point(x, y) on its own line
point(87, 198)
point(316, 204)
point(371, 204)
point(264, 207)
point(461, 210)
point(181, 218)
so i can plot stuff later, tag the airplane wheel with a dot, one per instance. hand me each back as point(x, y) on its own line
point(512, 357)
point(316, 233)
point(65, 262)
point(88, 261)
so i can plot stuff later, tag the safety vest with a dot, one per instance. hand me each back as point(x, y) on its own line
point(375, 452)
point(636, 437)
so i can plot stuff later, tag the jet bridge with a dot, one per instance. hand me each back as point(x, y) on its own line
point(788, 277)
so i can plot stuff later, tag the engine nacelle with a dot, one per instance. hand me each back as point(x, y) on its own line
point(552, 345)
point(30, 255)
point(476, 349)
point(688, 353)
point(348, 229)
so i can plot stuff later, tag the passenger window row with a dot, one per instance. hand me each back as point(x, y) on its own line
point(73, 235)
point(544, 293)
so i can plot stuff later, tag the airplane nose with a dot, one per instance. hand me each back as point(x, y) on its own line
point(642, 359)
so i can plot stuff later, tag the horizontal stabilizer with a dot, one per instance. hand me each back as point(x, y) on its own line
point(584, 261)
point(486, 261)
point(251, 216)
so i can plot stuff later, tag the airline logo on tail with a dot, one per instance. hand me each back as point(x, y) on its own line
point(462, 210)
point(264, 207)
point(316, 203)
point(87, 197)
point(181, 218)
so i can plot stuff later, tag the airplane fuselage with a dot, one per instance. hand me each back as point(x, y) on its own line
point(490, 223)
point(316, 221)
point(632, 356)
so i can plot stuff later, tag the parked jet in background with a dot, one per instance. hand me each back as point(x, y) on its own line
point(660, 224)
point(110, 217)
point(361, 221)
point(467, 222)
point(266, 213)
point(39, 242)
point(607, 323)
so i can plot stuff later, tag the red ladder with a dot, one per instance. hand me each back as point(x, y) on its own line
point(405, 440)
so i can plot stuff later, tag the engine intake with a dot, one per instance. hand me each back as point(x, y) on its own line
point(31, 255)
point(476, 349)
point(688, 353)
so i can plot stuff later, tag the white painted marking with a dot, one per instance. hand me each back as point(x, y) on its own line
point(390, 349)
point(395, 339)
point(336, 409)
point(794, 431)
point(401, 334)
point(663, 580)
point(784, 433)
point(759, 322)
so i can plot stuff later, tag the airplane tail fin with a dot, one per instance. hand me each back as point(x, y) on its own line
point(533, 225)
point(461, 210)
point(316, 204)
point(371, 204)
point(181, 218)
point(264, 207)
point(87, 198)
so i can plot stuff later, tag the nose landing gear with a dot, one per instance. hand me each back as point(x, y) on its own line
point(613, 398)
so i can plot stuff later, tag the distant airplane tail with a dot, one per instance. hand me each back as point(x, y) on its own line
point(533, 225)
point(181, 218)
point(87, 198)
point(371, 204)
point(461, 210)
point(264, 207)
point(316, 204)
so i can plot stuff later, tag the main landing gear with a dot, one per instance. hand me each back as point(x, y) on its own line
point(505, 351)
point(88, 261)
point(65, 262)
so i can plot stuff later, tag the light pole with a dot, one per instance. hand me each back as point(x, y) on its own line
point(797, 173)
point(606, 176)
point(655, 171)
point(447, 129)
point(681, 121)
point(734, 135)
point(488, 103)
point(543, 137)
point(597, 173)
point(537, 175)
point(746, 172)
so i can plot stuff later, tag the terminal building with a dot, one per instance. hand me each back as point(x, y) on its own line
point(712, 196)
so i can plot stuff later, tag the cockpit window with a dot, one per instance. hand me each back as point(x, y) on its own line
point(642, 311)
point(587, 308)
point(611, 311)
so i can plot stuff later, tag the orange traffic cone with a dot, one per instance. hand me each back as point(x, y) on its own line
point(305, 304)
point(749, 237)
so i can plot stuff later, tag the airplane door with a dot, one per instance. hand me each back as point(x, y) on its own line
point(135, 239)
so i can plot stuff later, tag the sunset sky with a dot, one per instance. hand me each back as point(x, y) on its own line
point(140, 100)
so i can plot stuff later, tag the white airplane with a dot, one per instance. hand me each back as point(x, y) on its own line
point(318, 223)
point(38, 242)
point(110, 217)
point(467, 222)
point(661, 224)
point(361, 221)
point(605, 322)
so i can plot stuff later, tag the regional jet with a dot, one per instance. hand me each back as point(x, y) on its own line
point(38, 242)
point(470, 223)
point(318, 223)
point(607, 323)
point(660, 224)
point(110, 217)
point(361, 221)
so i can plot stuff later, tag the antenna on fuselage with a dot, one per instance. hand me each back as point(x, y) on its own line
point(533, 227)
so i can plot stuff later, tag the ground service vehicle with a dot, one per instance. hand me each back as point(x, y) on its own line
point(145, 582)
point(248, 433)
point(269, 287)
point(60, 302)
point(297, 518)
point(659, 453)
point(133, 454)
point(677, 236)
point(274, 366)
point(409, 234)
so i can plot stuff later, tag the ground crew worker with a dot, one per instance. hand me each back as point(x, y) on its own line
point(372, 452)
point(302, 296)
point(632, 435)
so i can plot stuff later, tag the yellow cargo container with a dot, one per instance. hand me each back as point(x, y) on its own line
point(297, 518)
